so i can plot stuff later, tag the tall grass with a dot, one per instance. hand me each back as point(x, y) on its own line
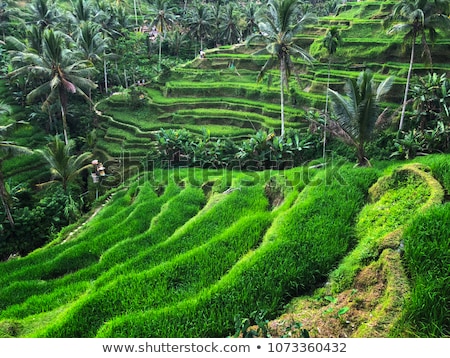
point(301, 246)
point(394, 200)
point(67, 263)
point(172, 281)
point(427, 258)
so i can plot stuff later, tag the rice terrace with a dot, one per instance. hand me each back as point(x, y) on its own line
point(203, 169)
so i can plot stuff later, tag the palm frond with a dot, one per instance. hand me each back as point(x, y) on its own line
point(345, 112)
point(384, 87)
point(269, 64)
point(10, 146)
point(42, 90)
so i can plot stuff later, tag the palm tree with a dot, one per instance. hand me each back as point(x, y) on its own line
point(358, 111)
point(7, 14)
point(43, 13)
point(163, 17)
point(19, 49)
point(230, 24)
point(64, 166)
point(82, 11)
point(331, 42)
point(278, 29)
point(250, 14)
point(9, 147)
point(61, 72)
point(417, 18)
point(92, 44)
point(199, 22)
point(178, 40)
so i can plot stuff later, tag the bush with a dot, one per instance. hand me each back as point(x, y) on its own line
point(36, 225)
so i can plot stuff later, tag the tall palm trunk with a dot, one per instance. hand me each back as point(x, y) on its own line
point(105, 74)
point(64, 120)
point(361, 154)
point(326, 111)
point(160, 46)
point(408, 79)
point(282, 73)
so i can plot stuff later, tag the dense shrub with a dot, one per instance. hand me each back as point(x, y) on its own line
point(35, 225)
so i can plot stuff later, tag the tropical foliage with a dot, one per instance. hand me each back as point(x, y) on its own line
point(282, 22)
point(358, 111)
point(226, 134)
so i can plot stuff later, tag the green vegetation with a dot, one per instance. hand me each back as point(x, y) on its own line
point(207, 183)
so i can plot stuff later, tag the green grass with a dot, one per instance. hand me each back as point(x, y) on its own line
point(299, 252)
point(210, 248)
point(186, 261)
point(393, 200)
point(427, 258)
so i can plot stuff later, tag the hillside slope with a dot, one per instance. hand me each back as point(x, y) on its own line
point(220, 92)
point(214, 247)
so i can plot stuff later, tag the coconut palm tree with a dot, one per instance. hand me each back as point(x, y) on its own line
point(358, 111)
point(8, 13)
point(417, 18)
point(278, 28)
point(92, 44)
point(59, 72)
point(43, 13)
point(163, 17)
point(178, 40)
point(199, 22)
point(82, 11)
point(250, 15)
point(331, 42)
point(229, 28)
point(64, 166)
point(19, 50)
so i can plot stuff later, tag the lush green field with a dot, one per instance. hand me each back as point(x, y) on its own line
point(191, 252)
point(186, 252)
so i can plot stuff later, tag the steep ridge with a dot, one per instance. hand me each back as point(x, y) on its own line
point(365, 295)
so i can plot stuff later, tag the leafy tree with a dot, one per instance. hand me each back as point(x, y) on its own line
point(60, 71)
point(431, 100)
point(278, 28)
point(358, 111)
point(64, 166)
point(417, 18)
